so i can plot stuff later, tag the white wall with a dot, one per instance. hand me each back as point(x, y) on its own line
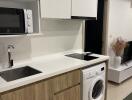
point(58, 36)
point(120, 21)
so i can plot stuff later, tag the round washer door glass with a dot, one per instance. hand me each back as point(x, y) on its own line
point(97, 89)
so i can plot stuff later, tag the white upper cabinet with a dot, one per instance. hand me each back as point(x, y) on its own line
point(20, 0)
point(84, 8)
point(56, 9)
point(67, 9)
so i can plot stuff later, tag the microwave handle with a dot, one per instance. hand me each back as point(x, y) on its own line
point(26, 21)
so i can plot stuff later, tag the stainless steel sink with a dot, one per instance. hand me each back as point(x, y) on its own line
point(18, 73)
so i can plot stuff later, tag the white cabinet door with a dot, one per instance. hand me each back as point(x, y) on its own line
point(84, 8)
point(56, 9)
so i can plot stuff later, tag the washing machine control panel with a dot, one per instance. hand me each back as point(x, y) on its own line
point(93, 71)
point(91, 74)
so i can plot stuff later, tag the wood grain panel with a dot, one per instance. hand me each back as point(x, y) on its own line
point(0, 96)
point(69, 94)
point(60, 82)
point(73, 78)
point(44, 90)
point(26, 93)
point(66, 80)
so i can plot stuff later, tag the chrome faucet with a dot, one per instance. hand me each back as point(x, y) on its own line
point(10, 60)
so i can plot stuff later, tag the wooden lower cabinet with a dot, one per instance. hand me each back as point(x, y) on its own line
point(62, 87)
point(69, 94)
point(24, 93)
point(44, 90)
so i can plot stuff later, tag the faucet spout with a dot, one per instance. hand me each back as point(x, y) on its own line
point(10, 60)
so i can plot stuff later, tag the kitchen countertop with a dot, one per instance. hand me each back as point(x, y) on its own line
point(49, 66)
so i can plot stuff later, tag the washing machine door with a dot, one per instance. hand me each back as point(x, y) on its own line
point(97, 89)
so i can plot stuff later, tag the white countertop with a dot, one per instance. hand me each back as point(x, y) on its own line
point(49, 66)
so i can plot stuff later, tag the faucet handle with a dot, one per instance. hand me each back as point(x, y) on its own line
point(11, 46)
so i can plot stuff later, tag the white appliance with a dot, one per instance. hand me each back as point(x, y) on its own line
point(15, 21)
point(93, 82)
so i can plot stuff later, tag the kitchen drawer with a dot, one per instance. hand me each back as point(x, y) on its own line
point(43, 90)
point(69, 94)
point(66, 80)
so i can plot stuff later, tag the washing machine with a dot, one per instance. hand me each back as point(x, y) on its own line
point(93, 82)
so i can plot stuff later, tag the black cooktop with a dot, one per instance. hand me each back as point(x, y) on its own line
point(86, 56)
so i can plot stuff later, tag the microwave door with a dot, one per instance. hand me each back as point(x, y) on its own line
point(12, 21)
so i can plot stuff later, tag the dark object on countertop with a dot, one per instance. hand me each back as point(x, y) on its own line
point(86, 57)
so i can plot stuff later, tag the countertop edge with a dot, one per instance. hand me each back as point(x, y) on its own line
point(37, 78)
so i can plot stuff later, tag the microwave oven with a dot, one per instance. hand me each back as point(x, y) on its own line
point(14, 21)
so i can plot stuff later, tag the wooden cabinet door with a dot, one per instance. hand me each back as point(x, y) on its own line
point(69, 94)
point(44, 90)
point(60, 83)
point(55, 9)
point(84, 8)
point(24, 93)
